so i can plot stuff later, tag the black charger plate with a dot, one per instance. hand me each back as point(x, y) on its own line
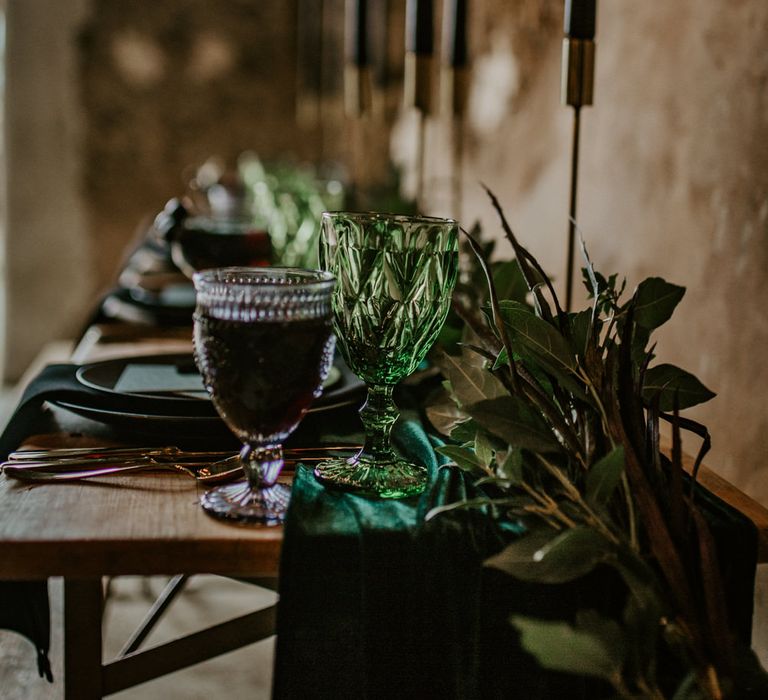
point(181, 413)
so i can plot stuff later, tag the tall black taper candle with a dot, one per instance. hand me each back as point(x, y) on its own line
point(357, 74)
point(356, 43)
point(580, 18)
point(455, 86)
point(455, 33)
point(419, 33)
point(577, 87)
point(419, 47)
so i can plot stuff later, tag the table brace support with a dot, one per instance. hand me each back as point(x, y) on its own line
point(86, 678)
point(160, 660)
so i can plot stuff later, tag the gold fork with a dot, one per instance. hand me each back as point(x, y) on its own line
point(37, 465)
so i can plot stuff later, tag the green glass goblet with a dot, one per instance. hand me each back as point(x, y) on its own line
point(395, 275)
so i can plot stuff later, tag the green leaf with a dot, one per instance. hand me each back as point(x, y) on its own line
point(511, 467)
point(501, 359)
point(470, 380)
point(483, 448)
point(540, 344)
point(640, 339)
point(655, 300)
point(566, 557)
point(689, 688)
point(595, 646)
point(464, 432)
point(580, 328)
point(445, 415)
point(542, 340)
point(510, 418)
point(668, 380)
point(464, 458)
point(538, 374)
point(509, 281)
point(603, 477)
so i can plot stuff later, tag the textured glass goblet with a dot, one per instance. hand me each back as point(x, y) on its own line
point(395, 275)
point(264, 346)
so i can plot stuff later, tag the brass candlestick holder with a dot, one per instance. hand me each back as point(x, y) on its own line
point(454, 89)
point(418, 95)
point(578, 77)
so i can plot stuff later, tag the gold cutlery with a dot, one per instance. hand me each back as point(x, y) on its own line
point(208, 467)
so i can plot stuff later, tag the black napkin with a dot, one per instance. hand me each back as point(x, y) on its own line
point(59, 383)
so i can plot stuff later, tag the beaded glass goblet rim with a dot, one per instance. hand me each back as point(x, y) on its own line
point(382, 216)
point(231, 278)
point(264, 293)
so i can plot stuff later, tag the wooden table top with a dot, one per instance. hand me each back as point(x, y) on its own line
point(145, 524)
point(149, 523)
point(153, 523)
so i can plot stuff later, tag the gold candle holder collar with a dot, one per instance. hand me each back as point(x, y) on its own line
point(418, 81)
point(454, 90)
point(358, 90)
point(578, 73)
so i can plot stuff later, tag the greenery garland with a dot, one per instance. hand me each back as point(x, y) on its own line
point(558, 414)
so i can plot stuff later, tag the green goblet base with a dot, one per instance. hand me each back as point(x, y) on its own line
point(364, 476)
point(241, 503)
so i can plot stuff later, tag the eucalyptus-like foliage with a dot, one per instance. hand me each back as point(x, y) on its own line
point(557, 414)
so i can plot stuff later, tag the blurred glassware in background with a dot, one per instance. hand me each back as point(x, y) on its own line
point(217, 225)
point(250, 214)
point(292, 199)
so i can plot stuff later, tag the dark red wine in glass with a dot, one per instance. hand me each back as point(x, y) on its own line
point(263, 374)
point(264, 345)
point(203, 243)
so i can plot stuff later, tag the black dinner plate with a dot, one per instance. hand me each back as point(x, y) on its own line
point(138, 306)
point(166, 410)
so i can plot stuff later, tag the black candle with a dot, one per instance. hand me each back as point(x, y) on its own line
point(455, 33)
point(580, 18)
point(418, 27)
point(357, 32)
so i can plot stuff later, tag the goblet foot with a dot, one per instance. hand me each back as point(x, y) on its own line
point(392, 478)
point(241, 503)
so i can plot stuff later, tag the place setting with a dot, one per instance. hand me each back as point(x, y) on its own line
point(275, 348)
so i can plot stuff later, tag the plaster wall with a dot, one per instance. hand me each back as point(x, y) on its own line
point(47, 261)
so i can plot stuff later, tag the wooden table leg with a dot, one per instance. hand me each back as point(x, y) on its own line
point(83, 605)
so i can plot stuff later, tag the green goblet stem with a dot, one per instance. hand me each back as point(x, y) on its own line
point(379, 414)
point(376, 470)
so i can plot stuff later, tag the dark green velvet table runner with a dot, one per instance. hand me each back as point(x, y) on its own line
point(377, 603)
